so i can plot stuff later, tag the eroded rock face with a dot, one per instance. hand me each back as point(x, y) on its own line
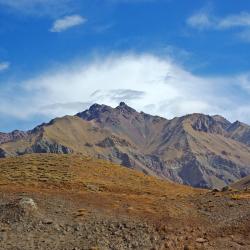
point(47, 147)
point(208, 124)
point(44, 146)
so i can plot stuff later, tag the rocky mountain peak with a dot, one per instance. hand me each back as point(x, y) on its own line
point(94, 112)
point(104, 112)
point(124, 108)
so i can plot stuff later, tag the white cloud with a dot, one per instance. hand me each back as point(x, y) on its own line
point(4, 66)
point(146, 82)
point(205, 20)
point(67, 22)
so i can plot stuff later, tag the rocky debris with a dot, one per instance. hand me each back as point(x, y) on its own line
point(92, 233)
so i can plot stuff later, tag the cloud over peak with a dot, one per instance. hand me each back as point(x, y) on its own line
point(67, 22)
point(146, 82)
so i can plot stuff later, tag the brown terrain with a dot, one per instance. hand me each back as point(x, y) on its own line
point(197, 150)
point(52, 201)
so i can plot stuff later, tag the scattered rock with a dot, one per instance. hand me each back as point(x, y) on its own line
point(201, 240)
point(215, 190)
point(28, 204)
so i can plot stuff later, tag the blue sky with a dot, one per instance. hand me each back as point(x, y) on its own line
point(165, 57)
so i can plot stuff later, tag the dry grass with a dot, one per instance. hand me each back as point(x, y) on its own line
point(240, 196)
point(76, 171)
point(103, 184)
point(235, 196)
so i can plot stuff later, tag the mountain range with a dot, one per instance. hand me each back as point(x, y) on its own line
point(198, 150)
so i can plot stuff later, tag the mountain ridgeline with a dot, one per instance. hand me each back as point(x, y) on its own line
point(197, 150)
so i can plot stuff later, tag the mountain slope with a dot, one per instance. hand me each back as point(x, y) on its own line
point(75, 202)
point(198, 150)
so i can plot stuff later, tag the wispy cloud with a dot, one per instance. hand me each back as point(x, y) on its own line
point(238, 20)
point(4, 66)
point(203, 19)
point(67, 22)
point(146, 82)
point(244, 35)
point(39, 7)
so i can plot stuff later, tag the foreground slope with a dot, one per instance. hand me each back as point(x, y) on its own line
point(198, 150)
point(74, 202)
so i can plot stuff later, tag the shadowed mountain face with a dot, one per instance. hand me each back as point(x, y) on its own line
point(198, 150)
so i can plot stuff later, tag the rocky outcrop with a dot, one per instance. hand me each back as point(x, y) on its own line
point(15, 135)
point(113, 141)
